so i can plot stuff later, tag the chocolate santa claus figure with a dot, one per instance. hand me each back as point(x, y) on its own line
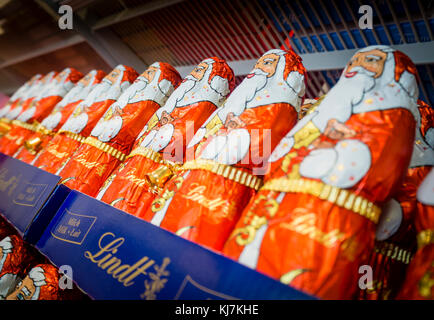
point(28, 120)
point(161, 144)
point(419, 282)
point(396, 235)
point(37, 88)
point(15, 259)
point(46, 130)
point(17, 98)
point(41, 283)
point(84, 117)
point(312, 224)
point(113, 136)
point(204, 201)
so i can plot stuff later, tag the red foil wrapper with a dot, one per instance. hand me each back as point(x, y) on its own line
point(84, 118)
point(41, 107)
point(312, 224)
point(162, 142)
point(205, 200)
point(55, 120)
point(5, 228)
point(41, 283)
point(396, 234)
point(113, 136)
point(419, 282)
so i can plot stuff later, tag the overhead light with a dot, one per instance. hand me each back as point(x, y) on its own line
point(3, 3)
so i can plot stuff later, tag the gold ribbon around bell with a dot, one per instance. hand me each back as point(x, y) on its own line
point(159, 177)
point(33, 145)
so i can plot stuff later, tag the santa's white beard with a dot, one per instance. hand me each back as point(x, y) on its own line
point(346, 94)
point(97, 92)
point(178, 95)
point(129, 93)
point(112, 93)
point(244, 93)
point(52, 120)
point(106, 130)
point(76, 124)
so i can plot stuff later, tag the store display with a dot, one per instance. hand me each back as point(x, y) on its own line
point(161, 145)
point(395, 234)
point(204, 200)
point(84, 117)
point(29, 118)
point(55, 120)
point(112, 138)
point(419, 281)
point(312, 224)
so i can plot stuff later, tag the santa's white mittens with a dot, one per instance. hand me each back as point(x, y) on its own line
point(220, 85)
point(352, 161)
point(425, 193)
point(214, 147)
point(236, 148)
point(162, 137)
point(198, 136)
point(319, 163)
point(390, 220)
point(284, 146)
point(148, 139)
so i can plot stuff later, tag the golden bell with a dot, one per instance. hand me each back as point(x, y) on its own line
point(4, 128)
point(33, 145)
point(159, 177)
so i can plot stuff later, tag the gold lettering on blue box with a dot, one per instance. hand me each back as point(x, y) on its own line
point(73, 227)
point(192, 289)
point(8, 183)
point(30, 194)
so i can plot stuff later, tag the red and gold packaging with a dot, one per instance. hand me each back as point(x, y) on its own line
point(84, 117)
point(15, 261)
point(312, 224)
point(113, 136)
point(17, 98)
point(37, 88)
point(41, 283)
point(204, 200)
point(419, 282)
point(5, 228)
point(396, 235)
point(46, 130)
point(29, 119)
point(162, 142)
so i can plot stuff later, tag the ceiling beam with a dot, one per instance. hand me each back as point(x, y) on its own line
point(419, 53)
point(133, 12)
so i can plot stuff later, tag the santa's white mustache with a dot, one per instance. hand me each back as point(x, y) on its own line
point(256, 72)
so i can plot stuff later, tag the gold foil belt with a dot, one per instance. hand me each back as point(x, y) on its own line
point(73, 136)
point(425, 237)
point(147, 153)
point(105, 148)
point(25, 125)
point(392, 251)
point(343, 198)
point(225, 171)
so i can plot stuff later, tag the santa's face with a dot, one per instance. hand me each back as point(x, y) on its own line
point(87, 79)
point(199, 71)
point(24, 291)
point(149, 74)
point(372, 61)
point(114, 75)
point(268, 64)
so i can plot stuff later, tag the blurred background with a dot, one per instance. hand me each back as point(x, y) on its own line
point(182, 33)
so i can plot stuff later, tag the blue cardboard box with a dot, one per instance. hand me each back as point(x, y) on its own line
point(29, 197)
point(114, 255)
